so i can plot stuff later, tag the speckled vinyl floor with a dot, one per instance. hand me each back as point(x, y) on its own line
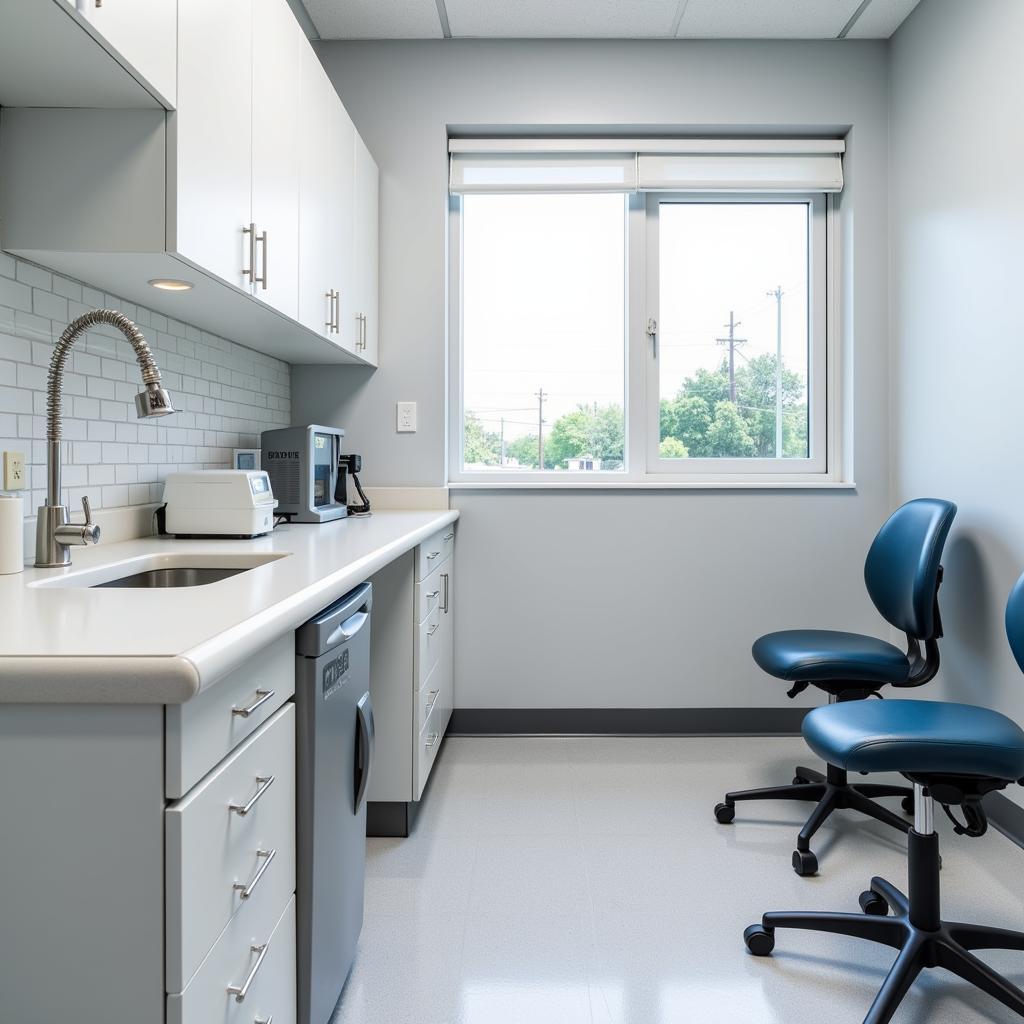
point(585, 881)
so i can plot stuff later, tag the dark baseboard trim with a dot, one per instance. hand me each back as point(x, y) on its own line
point(626, 721)
point(1006, 816)
point(391, 819)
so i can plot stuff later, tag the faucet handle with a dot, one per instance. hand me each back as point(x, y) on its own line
point(90, 531)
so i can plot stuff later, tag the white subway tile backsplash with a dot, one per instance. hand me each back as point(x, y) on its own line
point(225, 394)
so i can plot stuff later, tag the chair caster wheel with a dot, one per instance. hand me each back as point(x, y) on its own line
point(873, 904)
point(805, 863)
point(907, 803)
point(724, 813)
point(759, 940)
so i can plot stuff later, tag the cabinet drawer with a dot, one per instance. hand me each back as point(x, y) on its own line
point(271, 993)
point(428, 646)
point(433, 551)
point(427, 746)
point(223, 839)
point(433, 693)
point(429, 594)
point(202, 732)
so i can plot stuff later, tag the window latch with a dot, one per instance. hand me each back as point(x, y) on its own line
point(652, 333)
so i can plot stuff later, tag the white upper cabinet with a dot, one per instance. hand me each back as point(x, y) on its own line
point(213, 129)
point(256, 189)
point(365, 250)
point(276, 102)
point(143, 33)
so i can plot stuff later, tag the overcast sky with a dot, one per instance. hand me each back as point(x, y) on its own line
point(544, 305)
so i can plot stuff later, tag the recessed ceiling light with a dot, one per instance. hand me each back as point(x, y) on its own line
point(168, 284)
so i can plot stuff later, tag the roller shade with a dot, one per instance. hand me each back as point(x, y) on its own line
point(646, 165)
point(740, 172)
point(544, 172)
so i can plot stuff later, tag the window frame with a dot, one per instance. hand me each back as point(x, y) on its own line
point(643, 466)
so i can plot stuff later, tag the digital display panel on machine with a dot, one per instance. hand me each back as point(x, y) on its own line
point(323, 465)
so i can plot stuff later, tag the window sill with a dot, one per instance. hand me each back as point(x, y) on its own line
point(651, 485)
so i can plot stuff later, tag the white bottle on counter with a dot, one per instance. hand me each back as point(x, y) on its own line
point(12, 533)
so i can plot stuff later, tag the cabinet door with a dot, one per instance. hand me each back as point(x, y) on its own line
point(366, 191)
point(213, 128)
point(143, 32)
point(342, 215)
point(446, 661)
point(315, 229)
point(276, 97)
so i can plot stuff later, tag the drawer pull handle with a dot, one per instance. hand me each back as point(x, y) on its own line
point(241, 991)
point(448, 536)
point(431, 739)
point(262, 696)
point(264, 784)
point(430, 703)
point(264, 1020)
point(246, 890)
point(433, 555)
point(433, 594)
point(432, 630)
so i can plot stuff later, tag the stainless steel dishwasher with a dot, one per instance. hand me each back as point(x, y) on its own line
point(334, 754)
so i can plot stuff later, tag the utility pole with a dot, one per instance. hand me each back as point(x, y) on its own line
point(777, 295)
point(540, 428)
point(501, 460)
point(732, 341)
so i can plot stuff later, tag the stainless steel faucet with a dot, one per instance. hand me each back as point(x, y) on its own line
point(55, 533)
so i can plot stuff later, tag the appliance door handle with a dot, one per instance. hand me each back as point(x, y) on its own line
point(367, 742)
point(348, 629)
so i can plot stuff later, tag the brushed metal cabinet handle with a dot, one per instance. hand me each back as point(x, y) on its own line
point(431, 740)
point(245, 889)
point(251, 232)
point(241, 991)
point(261, 238)
point(262, 696)
point(337, 312)
point(432, 630)
point(433, 698)
point(444, 604)
point(329, 322)
point(263, 784)
point(433, 594)
point(264, 1020)
point(448, 536)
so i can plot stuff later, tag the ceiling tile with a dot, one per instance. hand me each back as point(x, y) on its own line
point(375, 19)
point(562, 19)
point(881, 19)
point(765, 19)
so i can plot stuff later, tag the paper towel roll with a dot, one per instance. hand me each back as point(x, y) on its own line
point(12, 533)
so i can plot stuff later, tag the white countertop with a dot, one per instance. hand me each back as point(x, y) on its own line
point(81, 645)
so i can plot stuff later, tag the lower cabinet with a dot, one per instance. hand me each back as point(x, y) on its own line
point(413, 630)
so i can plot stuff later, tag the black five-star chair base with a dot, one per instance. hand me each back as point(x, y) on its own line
point(831, 792)
point(915, 928)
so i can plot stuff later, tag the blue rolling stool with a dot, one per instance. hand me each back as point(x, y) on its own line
point(955, 754)
point(902, 574)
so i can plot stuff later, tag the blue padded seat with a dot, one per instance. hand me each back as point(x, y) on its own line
point(917, 736)
point(812, 655)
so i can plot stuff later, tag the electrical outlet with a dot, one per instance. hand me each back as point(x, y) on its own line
point(14, 471)
point(406, 418)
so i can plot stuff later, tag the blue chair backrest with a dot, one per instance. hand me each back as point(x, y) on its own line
point(1015, 621)
point(902, 567)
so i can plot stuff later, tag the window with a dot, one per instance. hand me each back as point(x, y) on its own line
point(613, 319)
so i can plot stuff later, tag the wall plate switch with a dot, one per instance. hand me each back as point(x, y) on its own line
point(14, 471)
point(406, 418)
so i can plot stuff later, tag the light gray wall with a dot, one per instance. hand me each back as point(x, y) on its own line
point(623, 599)
point(957, 211)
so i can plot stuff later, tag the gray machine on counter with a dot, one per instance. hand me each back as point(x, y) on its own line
point(302, 463)
point(335, 740)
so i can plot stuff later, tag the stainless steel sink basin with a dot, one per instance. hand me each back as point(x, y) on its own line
point(182, 576)
point(163, 570)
